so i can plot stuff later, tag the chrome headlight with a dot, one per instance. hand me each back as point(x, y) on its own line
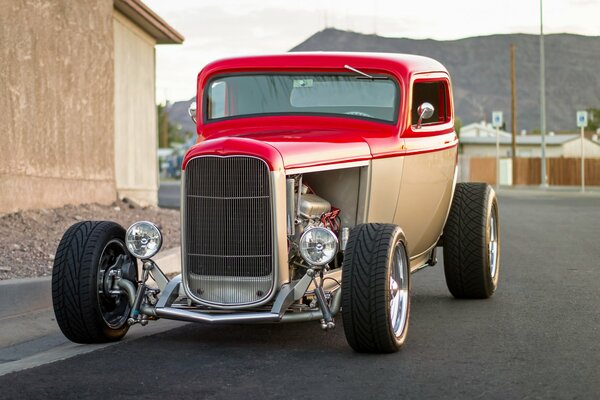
point(143, 239)
point(318, 246)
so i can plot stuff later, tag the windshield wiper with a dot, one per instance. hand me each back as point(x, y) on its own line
point(364, 74)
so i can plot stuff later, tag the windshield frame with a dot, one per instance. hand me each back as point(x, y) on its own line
point(378, 76)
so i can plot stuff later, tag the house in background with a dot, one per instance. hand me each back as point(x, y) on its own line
point(479, 140)
point(481, 129)
point(477, 160)
point(78, 99)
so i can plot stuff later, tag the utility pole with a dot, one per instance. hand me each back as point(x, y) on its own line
point(497, 123)
point(497, 158)
point(513, 109)
point(544, 176)
point(582, 161)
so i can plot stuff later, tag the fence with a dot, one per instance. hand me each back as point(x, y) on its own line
point(527, 171)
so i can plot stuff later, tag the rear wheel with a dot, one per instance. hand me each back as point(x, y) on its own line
point(472, 242)
point(85, 309)
point(376, 288)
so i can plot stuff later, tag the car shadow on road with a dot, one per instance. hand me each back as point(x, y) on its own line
point(300, 336)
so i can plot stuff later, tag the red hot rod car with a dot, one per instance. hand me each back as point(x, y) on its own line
point(318, 184)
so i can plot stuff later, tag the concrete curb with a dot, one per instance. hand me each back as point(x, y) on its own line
point(21, 296)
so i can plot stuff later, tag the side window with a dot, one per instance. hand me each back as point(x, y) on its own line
point(217, 99)
point(435, 93)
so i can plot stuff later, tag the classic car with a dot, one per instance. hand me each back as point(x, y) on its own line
point(319, 183)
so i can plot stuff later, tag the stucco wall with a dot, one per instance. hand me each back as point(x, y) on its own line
point(136, 162)
point(56, 102)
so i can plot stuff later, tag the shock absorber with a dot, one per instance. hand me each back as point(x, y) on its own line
point(327, 322)
point(135, 316)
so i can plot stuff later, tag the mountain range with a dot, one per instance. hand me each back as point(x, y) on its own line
point(480, 72)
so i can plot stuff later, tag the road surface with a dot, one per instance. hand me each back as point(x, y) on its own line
point(169, 194)
point(537, 337)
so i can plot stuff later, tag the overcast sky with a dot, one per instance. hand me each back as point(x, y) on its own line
point(222, 28)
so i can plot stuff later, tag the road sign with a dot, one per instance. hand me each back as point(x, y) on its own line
point(582, 119)
point(497, 119)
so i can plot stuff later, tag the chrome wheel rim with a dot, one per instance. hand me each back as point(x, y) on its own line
point(493, 245)
point(113, 308)
point(398, 286)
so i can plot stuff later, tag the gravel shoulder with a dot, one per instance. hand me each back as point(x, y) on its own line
point(28, 239)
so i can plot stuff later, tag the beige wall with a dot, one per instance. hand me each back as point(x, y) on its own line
point(136, 165)
point(480, 150)
point(573, 149)
point(56, 102)
point(568, 149)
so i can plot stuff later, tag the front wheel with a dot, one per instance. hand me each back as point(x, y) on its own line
point(376, 288)
point(86, 310)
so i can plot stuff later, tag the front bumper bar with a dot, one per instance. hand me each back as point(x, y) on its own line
point(279, 312)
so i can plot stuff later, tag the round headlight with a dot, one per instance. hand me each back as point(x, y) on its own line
point(318, 246)
point(143, 239)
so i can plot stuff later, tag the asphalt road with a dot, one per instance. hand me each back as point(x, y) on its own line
point(537, 337)
point(169, 194)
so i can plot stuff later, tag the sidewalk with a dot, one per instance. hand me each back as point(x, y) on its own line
point(29, 335)
point(26, 304)
point(573, 191)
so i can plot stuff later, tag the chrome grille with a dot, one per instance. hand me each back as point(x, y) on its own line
point(228, 257)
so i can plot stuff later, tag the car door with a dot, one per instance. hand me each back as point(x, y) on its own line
point(429, 170)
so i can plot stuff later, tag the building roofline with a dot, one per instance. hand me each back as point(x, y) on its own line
point(484, 127)
point(149, 21)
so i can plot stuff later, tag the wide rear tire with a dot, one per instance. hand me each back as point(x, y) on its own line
point(84, 311)
point(376, 288)
point(471, 242)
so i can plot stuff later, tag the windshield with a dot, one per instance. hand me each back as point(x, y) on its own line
point(347, 95)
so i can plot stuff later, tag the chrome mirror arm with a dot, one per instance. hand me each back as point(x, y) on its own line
point(425, 111)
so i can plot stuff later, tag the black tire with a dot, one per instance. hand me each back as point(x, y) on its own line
point(468, 234)
point(85, 314)
point(366, 288)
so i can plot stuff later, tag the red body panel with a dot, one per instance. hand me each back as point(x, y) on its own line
point(307, 141)
point(225, 146)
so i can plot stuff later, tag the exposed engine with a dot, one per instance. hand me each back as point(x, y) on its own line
point(316, 211)
point(306, 210)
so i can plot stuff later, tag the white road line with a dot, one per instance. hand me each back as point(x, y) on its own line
point(68, 350)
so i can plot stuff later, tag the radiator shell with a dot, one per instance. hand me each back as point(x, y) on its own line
point(228, 243)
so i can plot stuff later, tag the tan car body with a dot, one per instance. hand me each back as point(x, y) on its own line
point(402, 173)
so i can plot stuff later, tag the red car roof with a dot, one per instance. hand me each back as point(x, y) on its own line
point(402, 65)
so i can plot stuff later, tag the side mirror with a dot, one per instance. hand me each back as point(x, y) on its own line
point(425, 111)
point(192, 111)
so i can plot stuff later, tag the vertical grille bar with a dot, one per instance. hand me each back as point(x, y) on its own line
point(228, 258)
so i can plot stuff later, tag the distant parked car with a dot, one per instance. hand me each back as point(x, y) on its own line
point(319, 183)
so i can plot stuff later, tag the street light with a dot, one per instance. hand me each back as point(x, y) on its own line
point(544, 177)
